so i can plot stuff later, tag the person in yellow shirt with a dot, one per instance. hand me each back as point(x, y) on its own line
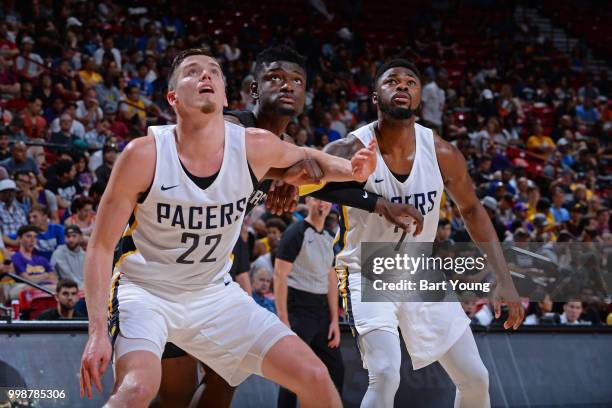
point(88, 74)
point(539, 143)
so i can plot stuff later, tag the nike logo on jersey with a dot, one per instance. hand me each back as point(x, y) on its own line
point(164, 188)
point(311, 241)
point(379, 180)
point(365, 194)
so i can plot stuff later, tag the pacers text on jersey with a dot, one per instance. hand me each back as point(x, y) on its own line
point(195, 217)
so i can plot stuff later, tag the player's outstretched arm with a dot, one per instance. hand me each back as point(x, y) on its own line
point(266, 151)
point(131, 175)
point(460, 187)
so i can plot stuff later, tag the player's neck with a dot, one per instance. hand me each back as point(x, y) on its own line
point(270, 121)
point(317, 222)
point(394, 134)
point(200, 138)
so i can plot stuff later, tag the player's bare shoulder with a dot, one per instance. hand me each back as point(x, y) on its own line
point(345, 147)
point(450, 159)
point(136, 164)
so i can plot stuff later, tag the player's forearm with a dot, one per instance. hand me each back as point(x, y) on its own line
point(280, 296)
point(97, 275)
point(480, 228)
point(348, 194)
point(334, 168)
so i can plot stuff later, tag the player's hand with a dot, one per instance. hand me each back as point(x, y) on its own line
point(303, 172)
point(364, 162)
point(505, 292)
point(282, 197)
point(333, 335)
point(96, 357)
point(404, 216)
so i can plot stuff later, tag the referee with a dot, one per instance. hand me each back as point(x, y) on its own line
point(306, 290)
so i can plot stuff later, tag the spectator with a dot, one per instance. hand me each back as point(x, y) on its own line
point(65, 139)
point(9, 84)
point(68, 260)
point(109, 156)
point(64, 185)
point(560, 214)
point(29, 65)
point(144, 86)
point(88, 110)
point(108, 93)
point(443, 233)
point(5, 150)
point(49, 236)
point(433, 100)
point(12, 215)
point(29, 266)
point(261, 282)
point(44, 91)
point(83, 174)
point(325, 134)
point(541, 309)
point(134, 107)
point(34, 125)
point(274, 230)
point(66, 81)
point(19, 161)
point(67, 295)
point(490, 206)
point(587, 113)
point(539, 143)
point(76, 128)
point(572, 310)
point(89, 76)
point(108, 48)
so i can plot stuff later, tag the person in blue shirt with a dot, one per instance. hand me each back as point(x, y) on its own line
point(586, 112)
point(560, 214)
point(145, 87)
point(260, 282)
point(50, 236)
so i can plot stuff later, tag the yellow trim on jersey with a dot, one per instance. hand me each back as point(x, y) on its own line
point(310, 188)
point(122, 258)
point(115, 279)
point(342, 275)
point(231, 257)
point(132, 228)
point(345, 232)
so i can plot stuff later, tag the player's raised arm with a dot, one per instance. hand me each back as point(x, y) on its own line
point(266, 151)
point(131, 175)
point(459, 185)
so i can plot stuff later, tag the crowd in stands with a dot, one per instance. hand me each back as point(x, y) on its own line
point(79, 80)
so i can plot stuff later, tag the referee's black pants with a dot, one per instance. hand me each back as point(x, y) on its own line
point(309, 319)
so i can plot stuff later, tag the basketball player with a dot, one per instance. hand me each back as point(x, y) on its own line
point(169, 284)
point(414, 165)
point(279, 90)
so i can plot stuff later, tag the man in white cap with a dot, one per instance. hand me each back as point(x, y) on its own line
point(490, 205)
point(29, 64)
point(12, 215)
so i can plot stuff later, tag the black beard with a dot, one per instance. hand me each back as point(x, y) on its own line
point(396, 112)
point(282, 111)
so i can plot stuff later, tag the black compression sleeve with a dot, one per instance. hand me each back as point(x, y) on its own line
point(350, 194)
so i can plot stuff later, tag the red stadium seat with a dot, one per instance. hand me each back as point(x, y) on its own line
point(33, 302)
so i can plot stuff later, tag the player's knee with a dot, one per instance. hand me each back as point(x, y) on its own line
point(386, 375)
point(476, 381)
point(315, 375)
point(143, 392)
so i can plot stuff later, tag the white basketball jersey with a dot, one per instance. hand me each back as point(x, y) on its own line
point(423, 189)
point(181, 235)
